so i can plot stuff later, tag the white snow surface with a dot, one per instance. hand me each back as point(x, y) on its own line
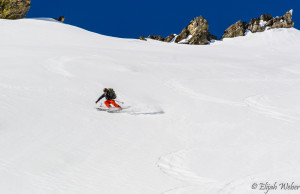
point(200, 119)
point(262, 23)
point(186, 40)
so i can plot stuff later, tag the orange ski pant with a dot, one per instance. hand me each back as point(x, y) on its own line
point(108, 102)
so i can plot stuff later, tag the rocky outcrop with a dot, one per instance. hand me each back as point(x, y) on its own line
point(183, 35)
point(284, 21)
point(260, 24)
point(235, 30)
point(156, 37)
point(170, 38)
point(195, 33)
point(142, 38)
point(14, 9)
point(265, 17)
point(256, 25)
point(60, 19)
point(268, 22)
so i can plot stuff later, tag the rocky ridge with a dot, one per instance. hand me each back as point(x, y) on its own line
point(264, 22)
point(197, 31)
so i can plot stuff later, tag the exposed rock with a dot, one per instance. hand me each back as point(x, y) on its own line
point(256, 25)
point(183, 35)
point(212, 37)
point(287, 17)
point(284, 21)
point(14, 9)
point(170, 38)
point(265, 21)
point(235, 30)
point(265, 17)
point(156, 37)
point(202, 38)
point(61, 19)
point(142, 38)
point(195, 33)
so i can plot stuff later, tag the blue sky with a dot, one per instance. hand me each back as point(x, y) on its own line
point(132, 18)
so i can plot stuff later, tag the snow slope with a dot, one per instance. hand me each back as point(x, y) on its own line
point(201, 119)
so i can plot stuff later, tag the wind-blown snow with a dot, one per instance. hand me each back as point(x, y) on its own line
point(200, 119)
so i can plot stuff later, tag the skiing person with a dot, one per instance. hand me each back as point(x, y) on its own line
point(110, 95)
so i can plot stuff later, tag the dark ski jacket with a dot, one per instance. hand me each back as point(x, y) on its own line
point(107, 96)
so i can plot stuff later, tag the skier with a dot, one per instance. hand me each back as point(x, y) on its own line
point(110, 95)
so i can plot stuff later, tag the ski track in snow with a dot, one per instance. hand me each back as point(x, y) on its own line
point(144, 110)
point(258, 104)
point(173, 164)
point(177, 86)
point(138, 110)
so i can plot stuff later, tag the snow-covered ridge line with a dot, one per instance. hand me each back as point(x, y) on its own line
point(197, 31)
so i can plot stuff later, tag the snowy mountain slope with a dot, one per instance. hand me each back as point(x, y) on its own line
point(202, 119)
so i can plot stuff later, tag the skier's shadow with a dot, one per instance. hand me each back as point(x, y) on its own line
point(147, 113)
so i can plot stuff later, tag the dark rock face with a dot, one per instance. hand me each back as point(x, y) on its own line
point(256, 25)
point(61, 19)
point(195, 33)
point(235, 30)
point(14, 9)
point(202, 39)
point(156, 37)
point(142, 38)
point(170, 38)
point(259, 24)
point(265, 21)
point(268, 22)
point(265, 17)
point(183, 35)
point(284, 21)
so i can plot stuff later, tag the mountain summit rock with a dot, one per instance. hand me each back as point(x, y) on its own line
point(195, 33)
point(14, 9)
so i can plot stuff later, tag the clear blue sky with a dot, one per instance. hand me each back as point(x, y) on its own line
point(132, 18)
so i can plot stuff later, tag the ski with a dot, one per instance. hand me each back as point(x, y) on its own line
point(112, 110)
point(109, 110)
